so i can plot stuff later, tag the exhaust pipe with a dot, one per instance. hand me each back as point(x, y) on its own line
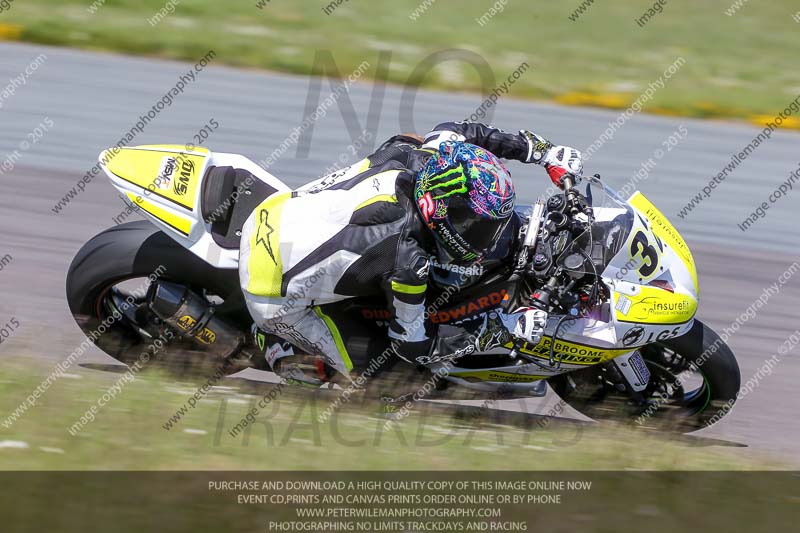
point(191, 314)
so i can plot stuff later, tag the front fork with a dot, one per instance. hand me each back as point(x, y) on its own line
point(633, 373)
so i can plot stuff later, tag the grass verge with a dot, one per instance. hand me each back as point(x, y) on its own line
point(736, 66)
point(128, 433)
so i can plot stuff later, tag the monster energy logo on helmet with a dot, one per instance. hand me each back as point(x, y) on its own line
point(448, 183)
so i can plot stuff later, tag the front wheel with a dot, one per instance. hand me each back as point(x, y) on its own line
point(694, 380)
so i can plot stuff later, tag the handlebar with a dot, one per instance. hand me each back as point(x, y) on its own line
point(576, 203)
point(568, 182)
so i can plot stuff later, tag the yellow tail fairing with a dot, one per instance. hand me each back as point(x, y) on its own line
point(170, 172)
point(173, 220)
point(165, 184)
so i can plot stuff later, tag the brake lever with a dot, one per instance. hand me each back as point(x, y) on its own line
point(577, 203)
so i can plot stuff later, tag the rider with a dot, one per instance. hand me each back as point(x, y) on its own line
point(373, 227)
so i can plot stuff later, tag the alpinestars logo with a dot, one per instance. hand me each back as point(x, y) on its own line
point(472, 270)
point(264, 233)
point(422, 266)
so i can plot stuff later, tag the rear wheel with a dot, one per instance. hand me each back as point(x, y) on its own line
point(108, 280)
point(694, 380)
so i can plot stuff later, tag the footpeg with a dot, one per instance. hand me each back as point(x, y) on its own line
point(305, 370)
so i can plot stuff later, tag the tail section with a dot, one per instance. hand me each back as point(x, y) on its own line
point(167, 182)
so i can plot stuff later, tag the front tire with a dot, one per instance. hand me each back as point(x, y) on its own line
point(672, 405)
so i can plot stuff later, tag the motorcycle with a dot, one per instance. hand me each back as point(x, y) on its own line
point(618, 282)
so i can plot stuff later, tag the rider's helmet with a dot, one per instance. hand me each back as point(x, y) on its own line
point(466, 198)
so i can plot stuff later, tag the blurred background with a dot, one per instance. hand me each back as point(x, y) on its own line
point(682, 88)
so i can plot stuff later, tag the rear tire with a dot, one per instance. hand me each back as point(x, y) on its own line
point(129, 251)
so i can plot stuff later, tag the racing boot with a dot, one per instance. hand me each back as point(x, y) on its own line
point(295, 368)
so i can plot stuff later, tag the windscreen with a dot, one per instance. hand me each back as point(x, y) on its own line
point(590, 251)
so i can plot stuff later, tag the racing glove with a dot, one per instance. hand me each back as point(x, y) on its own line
point(557, 160)
point(526, 323)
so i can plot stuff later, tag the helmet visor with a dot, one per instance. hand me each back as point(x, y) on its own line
point(477, 230)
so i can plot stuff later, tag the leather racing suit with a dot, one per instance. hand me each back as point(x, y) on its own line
point(355, 232)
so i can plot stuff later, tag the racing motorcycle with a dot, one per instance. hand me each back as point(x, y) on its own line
point(617, 280)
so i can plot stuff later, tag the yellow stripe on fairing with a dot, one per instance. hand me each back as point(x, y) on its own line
point(142, 166)
point(498, 376)
point(172, 148)
point(171, 219)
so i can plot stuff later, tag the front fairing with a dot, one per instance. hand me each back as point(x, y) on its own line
point(654, 279)
point(642, 259)
point(644, 296)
